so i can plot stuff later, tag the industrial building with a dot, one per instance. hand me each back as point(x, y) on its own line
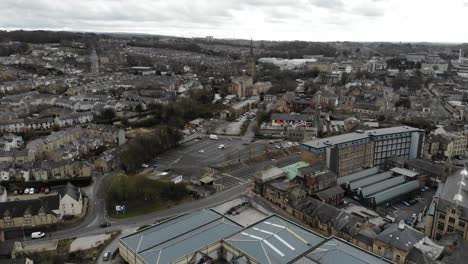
point(374, 188)
point(349, 153)
point(207, 236)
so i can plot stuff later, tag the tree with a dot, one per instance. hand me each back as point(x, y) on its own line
point(108, 114)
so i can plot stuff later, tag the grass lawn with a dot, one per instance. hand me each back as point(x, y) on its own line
point(148, 208)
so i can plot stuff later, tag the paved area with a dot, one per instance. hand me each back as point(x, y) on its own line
point(402, 212)
point(229, 128)
point(84, 243)
point(41, 246)
point(206, 152)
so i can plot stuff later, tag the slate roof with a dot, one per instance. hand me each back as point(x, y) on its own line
point(329, 193)
point(72, 191)
point(18, 208)
point(401, 238)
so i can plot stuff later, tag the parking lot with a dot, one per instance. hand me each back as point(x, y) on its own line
point(403, 212)
point(207, 152)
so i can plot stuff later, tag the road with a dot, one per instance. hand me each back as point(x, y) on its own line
point(90, 226)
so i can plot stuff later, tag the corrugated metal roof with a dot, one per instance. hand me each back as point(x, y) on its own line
point(378, 187)
point(274, 240)
point(395, 191)
point(370, 180)
point(357, 175)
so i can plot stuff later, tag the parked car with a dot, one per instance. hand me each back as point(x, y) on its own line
point(42, 190)
point(405, 203)
point(106, 256)
point(408, 222)
point(201, 151)
point(105, 224)
point(412, 202)
point(47, 190)
point(31, 191)
point(144, 165)
point(221, 146)
point(35, 235)
point(15, 192)
point(26, 191)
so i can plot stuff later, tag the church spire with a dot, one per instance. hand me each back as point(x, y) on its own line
point(251, 47)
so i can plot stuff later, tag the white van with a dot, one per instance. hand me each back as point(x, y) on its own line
point(215, 137)
point(35, 235)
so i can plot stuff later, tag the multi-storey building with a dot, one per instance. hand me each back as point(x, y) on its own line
point(449, 209)
point(349, 153)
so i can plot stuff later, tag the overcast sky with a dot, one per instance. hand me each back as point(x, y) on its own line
point(314, 20)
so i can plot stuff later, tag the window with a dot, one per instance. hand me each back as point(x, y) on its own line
point(451, 220)
point(450, 229)
point(461, 224)
point(397, 258)
point(454, 211)
point(440, 226)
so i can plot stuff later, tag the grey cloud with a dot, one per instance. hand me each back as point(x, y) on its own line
point(368, 11)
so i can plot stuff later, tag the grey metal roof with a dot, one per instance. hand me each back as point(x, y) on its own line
point(370, 180)
point(454, 192)
point(384, 185)
point(357, 175)
point(179, 247)
point(395, 191)
point(392, 130)
point(334, 251)
point(168, 230)
point(324, 142)
point(274, 240)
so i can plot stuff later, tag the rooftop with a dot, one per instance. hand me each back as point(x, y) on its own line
point(274, 240)
point(180, 236)
point(335, 250)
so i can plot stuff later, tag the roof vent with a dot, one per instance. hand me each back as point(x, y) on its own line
point(401, 225)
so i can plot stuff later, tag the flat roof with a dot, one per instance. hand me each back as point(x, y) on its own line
point(405, 172)
point(335, 250)
point(324, 142)
point(274, 240)
point(180, 236)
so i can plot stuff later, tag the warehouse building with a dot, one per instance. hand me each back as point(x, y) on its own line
point(209, 237)
point(374, 188)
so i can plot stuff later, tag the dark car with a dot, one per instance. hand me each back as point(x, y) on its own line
point(105, 224)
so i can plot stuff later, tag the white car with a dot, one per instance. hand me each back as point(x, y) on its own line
point(26, 191)
point(221, 146)
point(213, 137)
point(144, 165)
point(31, 191)
point(201, 151)
point(35, 235)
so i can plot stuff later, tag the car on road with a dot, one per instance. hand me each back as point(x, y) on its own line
point(405, 203)
point(412, 202)
point(409, 222)
point(214, 137)
point(221, 146)
point(106, 256)
point(105, 224)
point(201, 151)
point(36, 235)
point(144, 165)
